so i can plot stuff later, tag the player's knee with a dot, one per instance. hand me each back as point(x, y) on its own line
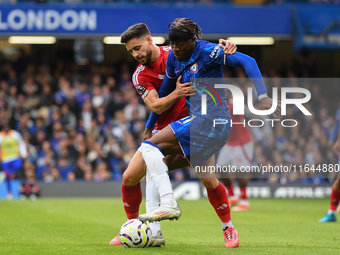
point(209, 183)
point(129, 179)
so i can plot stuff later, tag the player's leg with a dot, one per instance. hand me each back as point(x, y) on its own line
point(152, 150)
point(228, 183)
point(334, 201)
point(152, 196)
point(152, 203)
point(131, 190)
point(9, 169)
point(243, 158)
point(244, 202)
point(224, 159)
point(218, 198)
point(6, 176)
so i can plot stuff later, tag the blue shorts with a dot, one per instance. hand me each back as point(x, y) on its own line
point(199, 139)
point(12, 166)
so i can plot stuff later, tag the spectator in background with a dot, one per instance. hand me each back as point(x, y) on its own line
point(12, 102)
point(68, 118)
point(28, 187)
point(86, 115)
point(134, 106)
point(102, 173)
point(97, 98)
point(46, 97)
point(64, 168)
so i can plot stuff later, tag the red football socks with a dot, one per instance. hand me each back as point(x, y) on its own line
point(230, 190)
point(132, 197)
point(243, 193)
point(335, 198)
point(219, 200)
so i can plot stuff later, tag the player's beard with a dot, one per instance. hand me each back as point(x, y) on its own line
point(147, 58)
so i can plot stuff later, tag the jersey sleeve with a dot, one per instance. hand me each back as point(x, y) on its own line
point(250, 67)
point(170, 66)
point(141, 84)
point(168, 85)
point(213, 54)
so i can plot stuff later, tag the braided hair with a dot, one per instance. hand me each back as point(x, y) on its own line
point(186, 25)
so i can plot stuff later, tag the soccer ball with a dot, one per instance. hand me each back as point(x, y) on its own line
point(135, 234)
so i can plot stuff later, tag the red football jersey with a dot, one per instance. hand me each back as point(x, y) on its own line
point(240, 135)
point(149, 77)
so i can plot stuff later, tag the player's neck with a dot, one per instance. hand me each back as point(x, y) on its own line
point(156, 52)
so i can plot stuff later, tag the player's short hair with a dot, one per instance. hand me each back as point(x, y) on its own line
point(136, 31)
point(186, 25)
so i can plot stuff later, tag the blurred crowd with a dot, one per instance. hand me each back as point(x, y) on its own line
point(86, 122)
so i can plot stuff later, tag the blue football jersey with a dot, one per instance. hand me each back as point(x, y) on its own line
point(205, 62)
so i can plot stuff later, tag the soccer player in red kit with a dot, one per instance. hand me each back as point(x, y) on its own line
point(335, 196)
point(237, 152)
point(147, 80)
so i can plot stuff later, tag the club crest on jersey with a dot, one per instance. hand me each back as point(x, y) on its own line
point(140, 89)
point(194, 68)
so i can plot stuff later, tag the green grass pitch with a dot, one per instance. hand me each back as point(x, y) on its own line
point(85, 226)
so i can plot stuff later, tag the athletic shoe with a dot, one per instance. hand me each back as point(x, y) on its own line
point(115, 241)
point(329, 217)
point(2, 177)
point(233, 201)
point(241, 207)
point(157, 240)
point(162, 213)
point(231, 237)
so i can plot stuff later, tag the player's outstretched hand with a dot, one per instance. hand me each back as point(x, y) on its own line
point(147, 134)
point(185, 89)
point(267, 103)
point(336, 147)
point(229, 47)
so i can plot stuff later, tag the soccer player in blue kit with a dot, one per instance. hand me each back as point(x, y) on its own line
point(194, 136)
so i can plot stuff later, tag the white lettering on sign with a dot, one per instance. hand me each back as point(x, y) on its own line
point(48, 20)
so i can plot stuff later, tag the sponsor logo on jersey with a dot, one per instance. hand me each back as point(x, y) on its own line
point(161, 76)
point(194, 68)
point(215, 52)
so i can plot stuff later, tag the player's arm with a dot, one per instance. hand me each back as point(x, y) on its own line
point(251, 68)
point(165, 89)
point(168, 94)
